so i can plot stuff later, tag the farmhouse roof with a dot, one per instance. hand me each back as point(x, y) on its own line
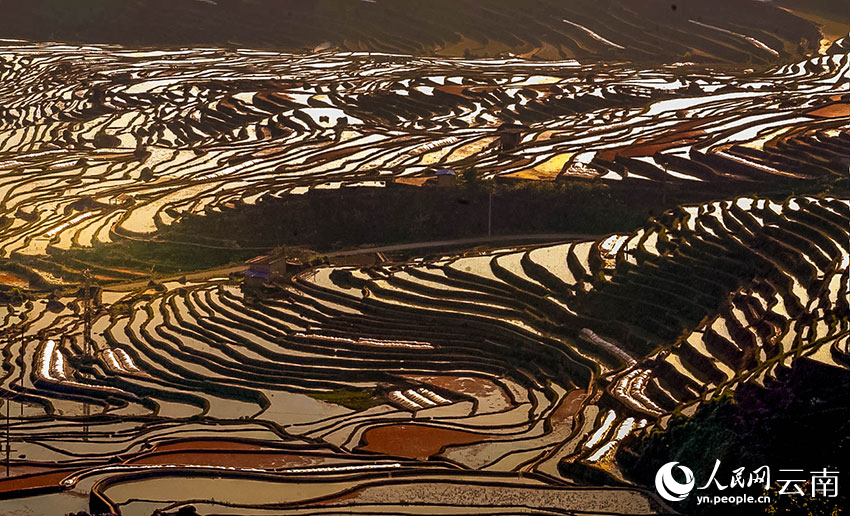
point(256, 274)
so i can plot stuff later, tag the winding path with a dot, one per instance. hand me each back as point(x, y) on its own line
point(225, 271)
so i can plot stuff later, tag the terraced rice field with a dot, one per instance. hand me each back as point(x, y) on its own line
point(105, 142)
point(493, 379)
point(482, 382)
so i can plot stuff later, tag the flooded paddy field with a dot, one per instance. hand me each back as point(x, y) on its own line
point(502, 379)
point(104, 143)
point(513, 371)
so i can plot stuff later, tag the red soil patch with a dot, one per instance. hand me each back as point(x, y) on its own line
point(334, 154)
point(240, 459)
point(28, 469)
point(837, 110)
point(13, 281)
point(677, 135)
point(415, 441)
point(206, 444)
point(452, 90)
point(569, 406)
point(36, 481)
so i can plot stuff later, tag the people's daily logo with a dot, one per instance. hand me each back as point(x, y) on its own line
point(668, 487)
point(674, 482)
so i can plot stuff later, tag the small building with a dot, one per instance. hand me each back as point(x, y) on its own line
point(446, 178)
point(510, 135)
point(265, 269)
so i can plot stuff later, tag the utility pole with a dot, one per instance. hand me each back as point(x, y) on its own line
point(87, 314)
point(87, 347)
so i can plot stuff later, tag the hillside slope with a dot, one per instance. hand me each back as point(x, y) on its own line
point(741, 31)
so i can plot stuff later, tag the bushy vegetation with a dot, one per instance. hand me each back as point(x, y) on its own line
point(348, 398)
point(799, 421)
point(151, 256)
point(325, 220)
point(329, 220)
